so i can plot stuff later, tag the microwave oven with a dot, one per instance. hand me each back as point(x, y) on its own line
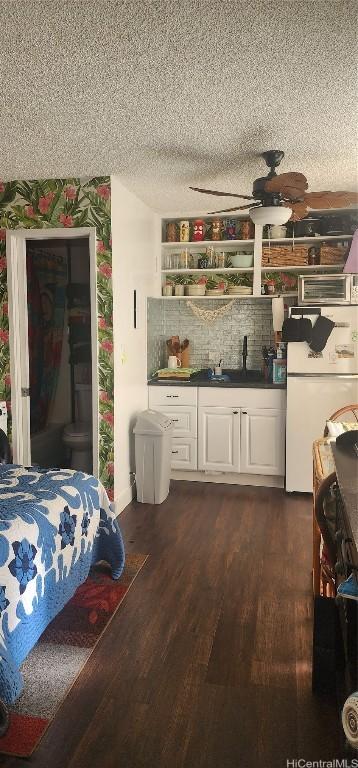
point(328, 289)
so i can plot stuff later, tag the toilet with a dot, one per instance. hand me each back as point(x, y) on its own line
point(78, 436)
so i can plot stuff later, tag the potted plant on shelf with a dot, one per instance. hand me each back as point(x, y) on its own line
point(167, 289)
point(215, 286)
point(239, 283)
point(271, 282)
point(195, 286)
point(288, 282)
point(179, 284)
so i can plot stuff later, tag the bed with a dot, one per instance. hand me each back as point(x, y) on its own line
point(54, 524)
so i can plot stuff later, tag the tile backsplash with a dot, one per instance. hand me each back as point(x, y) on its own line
point(210, 341)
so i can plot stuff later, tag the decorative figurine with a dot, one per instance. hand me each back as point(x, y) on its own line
point(314, 255)
point(184, 231)
point(246, 230)
point(230, 229)
point(203, 261)
point(198, 230)
point(171, 232)
point(216, 229)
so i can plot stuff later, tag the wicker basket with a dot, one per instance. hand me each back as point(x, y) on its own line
point(285, 256)
point(297, 256)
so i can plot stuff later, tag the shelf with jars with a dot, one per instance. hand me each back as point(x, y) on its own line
point(198, 247)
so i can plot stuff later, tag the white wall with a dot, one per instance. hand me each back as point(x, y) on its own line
point(135, 243)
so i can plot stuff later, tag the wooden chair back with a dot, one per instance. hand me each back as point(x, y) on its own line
point(348, 413)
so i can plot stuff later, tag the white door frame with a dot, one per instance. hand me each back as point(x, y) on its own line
point(18, 338)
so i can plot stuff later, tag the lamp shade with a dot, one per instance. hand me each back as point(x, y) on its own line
point(270, 214)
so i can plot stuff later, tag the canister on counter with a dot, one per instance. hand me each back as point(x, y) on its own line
point(279, 373)
point(184, 231)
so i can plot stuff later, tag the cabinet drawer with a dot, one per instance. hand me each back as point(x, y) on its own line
point(183, 417)
point(184, 453)
point(162, 395)
point(242, 397)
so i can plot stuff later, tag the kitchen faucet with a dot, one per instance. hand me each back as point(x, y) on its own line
point(244, 354)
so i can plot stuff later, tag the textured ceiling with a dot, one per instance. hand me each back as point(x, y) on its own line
point(176, 92)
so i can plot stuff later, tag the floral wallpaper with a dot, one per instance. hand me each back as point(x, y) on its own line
point(67, 203)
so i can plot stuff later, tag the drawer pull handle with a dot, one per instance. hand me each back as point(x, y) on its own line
point(235, 412)
point(171, 395)
point(244, 413)
point(175, 420)
point(175, 451)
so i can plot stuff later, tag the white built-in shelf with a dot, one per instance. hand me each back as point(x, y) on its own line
point(313, 238)
point(273, 295)
point(228, 296)
point(204, 271)
point(225, 296)
point(205, 243)
point(303, 268)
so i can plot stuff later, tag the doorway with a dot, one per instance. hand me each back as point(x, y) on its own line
point(53, 329)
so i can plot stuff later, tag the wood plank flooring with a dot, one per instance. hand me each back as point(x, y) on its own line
point(207, 663)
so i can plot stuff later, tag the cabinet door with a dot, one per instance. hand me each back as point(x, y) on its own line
point(219, 439)
point(263, 441)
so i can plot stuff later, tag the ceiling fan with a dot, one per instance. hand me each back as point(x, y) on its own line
point(279, 197)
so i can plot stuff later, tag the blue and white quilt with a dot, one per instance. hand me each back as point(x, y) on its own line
point(54, 524)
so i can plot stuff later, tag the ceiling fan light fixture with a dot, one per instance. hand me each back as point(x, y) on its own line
point(270, 214)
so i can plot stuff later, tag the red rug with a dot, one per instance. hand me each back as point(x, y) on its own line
point(61, 653)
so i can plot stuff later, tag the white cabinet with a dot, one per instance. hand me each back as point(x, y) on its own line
point(219, 439)
point(179, 404)
point(228, 430)
point(263, 441)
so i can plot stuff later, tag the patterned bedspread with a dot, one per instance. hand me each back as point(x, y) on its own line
point(53, 525)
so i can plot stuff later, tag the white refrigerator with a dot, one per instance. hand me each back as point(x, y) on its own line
point(318, 385)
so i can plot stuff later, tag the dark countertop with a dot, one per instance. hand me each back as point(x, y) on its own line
point(220, 385)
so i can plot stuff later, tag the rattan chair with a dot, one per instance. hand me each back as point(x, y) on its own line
point(350, 413)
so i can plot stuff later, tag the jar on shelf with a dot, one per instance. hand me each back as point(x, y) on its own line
point(230, 229)
point(167, 290)
point(247, 230)
point(216, 227)
point(171, 232)
point(184, 260)
point(221, 260)
point(198, 230)
point(184, 231)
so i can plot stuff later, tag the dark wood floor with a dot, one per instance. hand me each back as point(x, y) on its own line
point(207, 662)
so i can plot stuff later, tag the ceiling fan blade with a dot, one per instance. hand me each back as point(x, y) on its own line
point(291, 185)
point(299, 210)
point(330, 199)
point(221, 194)
point(238, 208)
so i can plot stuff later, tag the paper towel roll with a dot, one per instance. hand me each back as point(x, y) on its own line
point(277, 313)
